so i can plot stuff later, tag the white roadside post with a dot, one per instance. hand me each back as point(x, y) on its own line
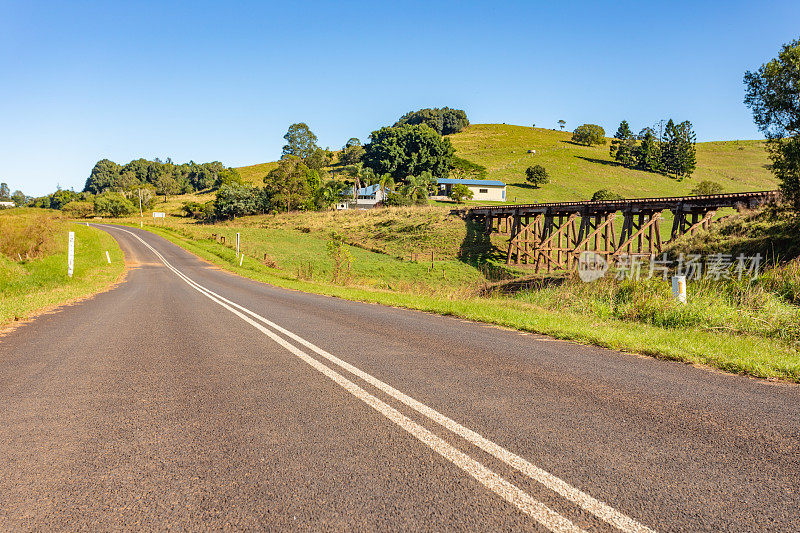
point(237, 245)
point(108, 257)
point(679, 288)
point(71, 254)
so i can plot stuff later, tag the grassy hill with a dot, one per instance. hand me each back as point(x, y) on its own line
point(254, 174)
point(576, 172)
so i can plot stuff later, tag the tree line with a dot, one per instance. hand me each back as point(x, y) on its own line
point(404, 160)
point(670, 151)
point(164, 177)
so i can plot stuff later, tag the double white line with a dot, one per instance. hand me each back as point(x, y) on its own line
point(511, 493)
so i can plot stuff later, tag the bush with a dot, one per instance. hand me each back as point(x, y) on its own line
point(589, 134)
point(199, 211)
point(604, 195)
point(113, 204)
point(537, 175)
point(78, 209)
point(28, 236)
point(707, 187)
point(460, 192)
point(239, 200)
point(342, 260)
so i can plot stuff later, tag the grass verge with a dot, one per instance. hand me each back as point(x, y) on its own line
point(752, 355)
point(29, 286)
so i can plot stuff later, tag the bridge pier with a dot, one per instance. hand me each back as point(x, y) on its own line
point(551, 236)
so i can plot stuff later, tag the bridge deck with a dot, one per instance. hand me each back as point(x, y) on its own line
point(682, 203)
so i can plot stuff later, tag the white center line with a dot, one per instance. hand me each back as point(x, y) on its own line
point(554, 483)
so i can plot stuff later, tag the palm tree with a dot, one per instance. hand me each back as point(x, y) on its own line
point(386, 183)
point(417, 186)
point(331, 192)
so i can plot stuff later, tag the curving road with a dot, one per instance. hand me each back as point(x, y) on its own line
point(190, 398)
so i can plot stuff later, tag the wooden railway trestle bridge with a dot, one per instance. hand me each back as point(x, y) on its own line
point(552, 235)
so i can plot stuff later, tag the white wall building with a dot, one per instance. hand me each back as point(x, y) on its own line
point(488, 190)
point(5, 205)
point(367, 198)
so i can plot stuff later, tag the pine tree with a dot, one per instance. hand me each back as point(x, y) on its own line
point(623, 145)
point(669, 148)
point(648, 154)
point(678, 154)
point(686, 156)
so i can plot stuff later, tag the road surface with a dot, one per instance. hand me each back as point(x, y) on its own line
point(190, 398)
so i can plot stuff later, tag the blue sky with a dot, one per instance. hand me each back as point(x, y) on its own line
point(82, 81)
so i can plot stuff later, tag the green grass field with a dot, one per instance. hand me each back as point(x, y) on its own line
point(40, 282)
point(576, 172)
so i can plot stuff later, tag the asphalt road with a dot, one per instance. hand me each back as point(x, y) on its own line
point(190, 398)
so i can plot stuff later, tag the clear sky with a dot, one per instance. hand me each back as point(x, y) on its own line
point(203, 81)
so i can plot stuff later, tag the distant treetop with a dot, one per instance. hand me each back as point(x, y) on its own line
point(443, 120)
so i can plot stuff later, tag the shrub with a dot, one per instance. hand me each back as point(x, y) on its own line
point(28, 236)
point(113, 204)
point(604, 195)
point(78, 209)
point(342, 260)
point(460, 192)
point(707, 187)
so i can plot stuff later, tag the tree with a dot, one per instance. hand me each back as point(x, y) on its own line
point(623, 145)
point(164, 182)
point(463, 169)
point(288, 182)
point(78, 209)
point(453, 120)
point(113, 204)
point(318, 159)
point(5, 192)
point(589, 134)
point(408, 151)
point(444, 121)
point(604, 195)
point(386, 184)
point(460, 192)
point(561, 124)
point(104, 175)
point(430, 117)
point(330, 193)
point(686, 152)
point(62, 197)
point(537, 175)
point(678, 149)
point(351, 154)
point(227, 176)
point(707, 187)
point(300, 141)
point(352, 141)
point(647, 155)
point(772, 95)
point(418, 187)
point(237, 201)
point(19, 198)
